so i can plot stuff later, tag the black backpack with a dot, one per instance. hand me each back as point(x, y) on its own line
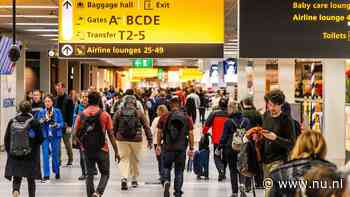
point(92, 136)
point(176, 132)
point(129, 123)
point(19, 143)
point(247, 160)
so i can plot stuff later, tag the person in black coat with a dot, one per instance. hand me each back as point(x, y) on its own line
point(236, 121)
point(65, 103)
point(37, 105)
point(26, 166)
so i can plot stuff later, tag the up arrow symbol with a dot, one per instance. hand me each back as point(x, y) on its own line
point(67, 4)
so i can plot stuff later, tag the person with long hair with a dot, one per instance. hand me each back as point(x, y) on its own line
point(310, 150)
point(52, 126)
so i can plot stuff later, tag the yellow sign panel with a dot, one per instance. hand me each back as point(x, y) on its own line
point(188, 74)
point(162, 25)
point(142, 73)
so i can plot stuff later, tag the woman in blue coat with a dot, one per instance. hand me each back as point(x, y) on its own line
point(52, 125)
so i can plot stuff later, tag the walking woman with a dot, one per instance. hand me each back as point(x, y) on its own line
point(22, 139)
point(235, 123)
point(52, 125)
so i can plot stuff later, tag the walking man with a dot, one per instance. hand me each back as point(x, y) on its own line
point(176, 132)
point(129, 122)
point(90, 127)
point(65, 104)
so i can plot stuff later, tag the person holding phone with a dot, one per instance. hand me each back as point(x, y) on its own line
point(278, 133)
point(52, 124)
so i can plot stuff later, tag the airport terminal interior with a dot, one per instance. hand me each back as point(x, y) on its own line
point(215, 51)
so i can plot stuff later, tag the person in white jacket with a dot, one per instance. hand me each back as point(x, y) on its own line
point(161, 110)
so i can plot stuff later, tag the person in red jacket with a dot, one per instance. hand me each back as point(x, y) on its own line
point(216, 121)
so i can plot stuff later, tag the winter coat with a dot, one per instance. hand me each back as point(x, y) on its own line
point(66, 106)
point(24, 166)
point(216, 121)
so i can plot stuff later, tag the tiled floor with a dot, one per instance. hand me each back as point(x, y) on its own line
point(69, 186)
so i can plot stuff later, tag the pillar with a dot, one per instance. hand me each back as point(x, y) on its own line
point(45, 72)
point(20, 82)
point(286, 78)
point(242, 79)
point(63, 71)
point(334, 108)
point(259, 83)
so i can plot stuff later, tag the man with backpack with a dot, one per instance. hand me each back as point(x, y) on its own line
point(22, 141)
point(176, 132)
point(90, 128)
point(129, 122)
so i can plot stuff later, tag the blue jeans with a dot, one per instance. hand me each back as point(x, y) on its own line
point(52, 145)
point(204, 162)
point(179, 161)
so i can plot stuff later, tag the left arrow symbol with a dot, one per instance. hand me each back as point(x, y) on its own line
point(67, 4)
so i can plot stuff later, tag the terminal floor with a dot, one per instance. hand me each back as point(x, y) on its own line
point(69, 186)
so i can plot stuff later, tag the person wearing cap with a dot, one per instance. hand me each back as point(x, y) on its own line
point(216, 122)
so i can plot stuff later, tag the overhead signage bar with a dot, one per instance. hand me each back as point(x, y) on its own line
point(141, 28)
point(295, 29)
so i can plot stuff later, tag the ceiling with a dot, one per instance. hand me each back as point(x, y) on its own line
point(37, 23)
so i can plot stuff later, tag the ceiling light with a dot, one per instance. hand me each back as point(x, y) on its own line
point(48, 35)
point(29, 7)
point(42, 30)
point(28, 16)
point(34, 24)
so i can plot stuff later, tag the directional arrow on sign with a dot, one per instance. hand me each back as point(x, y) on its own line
point(67, 50)
point(67, 4)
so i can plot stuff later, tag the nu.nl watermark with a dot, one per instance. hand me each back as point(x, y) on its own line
point(303, 184)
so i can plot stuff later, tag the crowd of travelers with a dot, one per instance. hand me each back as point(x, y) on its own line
point(253, 145)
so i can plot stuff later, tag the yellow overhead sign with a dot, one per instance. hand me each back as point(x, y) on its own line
point(188, 74)
point(158, 27)
point(142, 73)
